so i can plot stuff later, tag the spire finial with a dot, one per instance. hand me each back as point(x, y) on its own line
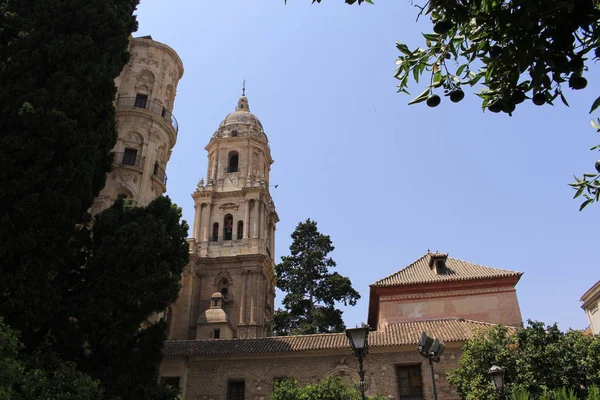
point(244, 87)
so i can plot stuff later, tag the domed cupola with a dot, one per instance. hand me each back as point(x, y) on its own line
point(241, 122)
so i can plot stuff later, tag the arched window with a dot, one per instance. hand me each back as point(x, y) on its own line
point(215, 232)
point(224, 288)
point(228, 227)
point(234, 159)
point(240, 230)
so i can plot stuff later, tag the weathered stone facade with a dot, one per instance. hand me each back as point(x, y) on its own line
point(146, 127)
point(232, 250)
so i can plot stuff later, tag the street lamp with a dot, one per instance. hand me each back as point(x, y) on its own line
point(358, 338)
point(496, 375)
point(432, 349)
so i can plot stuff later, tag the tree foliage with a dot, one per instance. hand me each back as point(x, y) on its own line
point(538, 359)
point(330, 388)
point(78, 290)
point(133, 268)
point(58, 62)
point(312, 290)
point(43, 375)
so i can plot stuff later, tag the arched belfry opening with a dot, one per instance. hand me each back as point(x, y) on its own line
point(224, 288)
point(234, 159)
point(228, 227)
point(215, 232)
point(240, 230)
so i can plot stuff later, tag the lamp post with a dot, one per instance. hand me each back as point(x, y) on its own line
point(358, 338)
point(496, 375)
point(432, 349)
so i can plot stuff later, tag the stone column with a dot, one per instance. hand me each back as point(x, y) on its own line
point(253, 297)
point(255, 222)
point(246, 218)
point(273, 241)
point(197, 208)
point(243, 298)
point(261, 164)
point(248, 159)
point(259, 213)
point(207, 222)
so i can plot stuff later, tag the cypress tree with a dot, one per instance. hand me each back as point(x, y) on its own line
point(312, 290)
point(79, 289)
point(58, 62)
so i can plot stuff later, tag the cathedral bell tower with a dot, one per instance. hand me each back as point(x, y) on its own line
point(146, 127)
point(233, 245)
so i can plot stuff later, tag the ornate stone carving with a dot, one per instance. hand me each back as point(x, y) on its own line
point(220, 276)
point(228, 206)
point(154, 135)
point(144, 81)
point(125, 175)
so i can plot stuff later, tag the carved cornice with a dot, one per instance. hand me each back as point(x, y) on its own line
point(450, 293)
point(137, 112)
point(227, 206)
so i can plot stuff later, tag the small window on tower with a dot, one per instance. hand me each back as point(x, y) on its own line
point(216, 334)
point(233, 162)
point(224, 288)
point(141, 100)
point(129, 156)
point(172, 381)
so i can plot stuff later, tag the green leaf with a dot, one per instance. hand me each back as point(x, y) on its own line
point(579, 192)
point(403, 49)
point(585, 203)
point(564, 100)
point(595, 105)
point(420, 98)
point(595, 124)
point(460, 69)
point(431, 36)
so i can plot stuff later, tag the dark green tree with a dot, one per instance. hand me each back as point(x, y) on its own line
point(132, 272)
point(538, 359)
point(43, 375)
point(515, 50)
point(58, 62)
point(312, 290)
point(79, 291)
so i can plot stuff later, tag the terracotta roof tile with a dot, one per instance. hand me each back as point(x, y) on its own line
point(456, 270)
point(405, 333)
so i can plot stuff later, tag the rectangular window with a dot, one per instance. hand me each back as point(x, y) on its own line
point(141, 100)
point(216, 333)
point(129, 156)
point(172, 381)
point(410, 385)
point(236, 390)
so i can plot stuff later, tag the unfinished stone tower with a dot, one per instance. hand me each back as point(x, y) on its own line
point(146, 127)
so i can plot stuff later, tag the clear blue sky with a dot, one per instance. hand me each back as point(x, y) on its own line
point(385, 180)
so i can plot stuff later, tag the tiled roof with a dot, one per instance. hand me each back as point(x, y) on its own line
point(420, 271)
point(405, 333)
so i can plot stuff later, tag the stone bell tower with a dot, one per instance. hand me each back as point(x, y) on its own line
point(233, 244)
point(146, 127)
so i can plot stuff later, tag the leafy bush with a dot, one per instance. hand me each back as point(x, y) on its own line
point(330, 388)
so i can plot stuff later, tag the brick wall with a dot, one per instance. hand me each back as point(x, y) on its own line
point(206, 378)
